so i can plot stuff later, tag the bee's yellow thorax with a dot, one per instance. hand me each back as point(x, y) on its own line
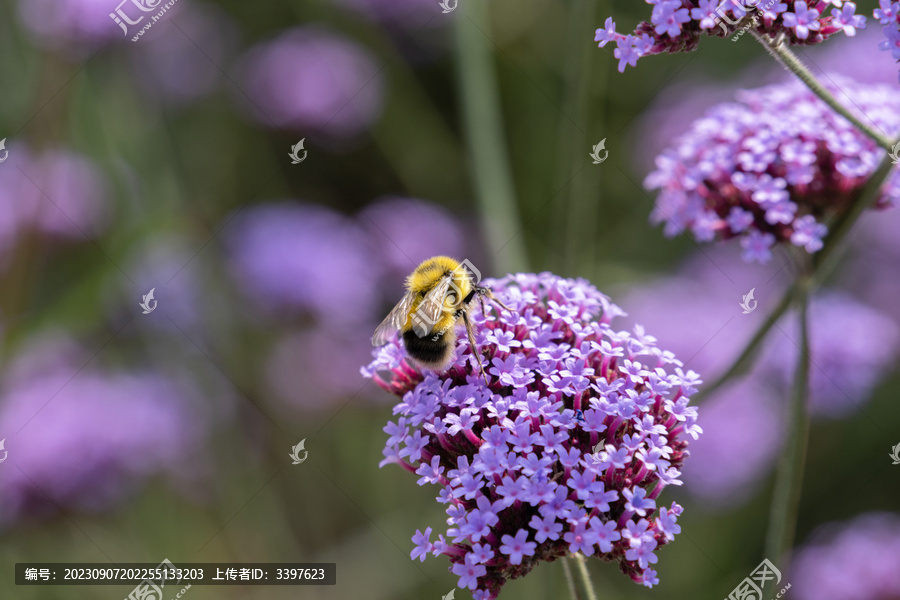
point(429, 273)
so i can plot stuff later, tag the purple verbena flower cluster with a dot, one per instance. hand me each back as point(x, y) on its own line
point(567, 450)
point(772, 166)
point(676, 25)
point(888, 14)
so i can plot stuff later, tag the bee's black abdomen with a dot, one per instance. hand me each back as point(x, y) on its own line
point(434, 354)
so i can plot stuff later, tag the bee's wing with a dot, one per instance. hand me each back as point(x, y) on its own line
point(394, 321)
point(431, 309)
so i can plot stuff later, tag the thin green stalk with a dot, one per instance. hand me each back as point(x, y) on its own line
point(780, 51)
point(823, 263)
point(581, 126)
point(587, 588)
point(485, 140)
point(570, 580)
point(789, 476)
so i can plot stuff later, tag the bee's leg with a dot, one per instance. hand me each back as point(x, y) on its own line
point(475, 351)
point(487, 292)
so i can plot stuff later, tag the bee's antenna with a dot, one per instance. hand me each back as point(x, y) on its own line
point(487, 292)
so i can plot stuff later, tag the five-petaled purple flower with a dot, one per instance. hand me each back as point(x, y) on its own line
point(516, 459)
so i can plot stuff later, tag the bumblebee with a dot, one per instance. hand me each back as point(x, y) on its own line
point(438, 294)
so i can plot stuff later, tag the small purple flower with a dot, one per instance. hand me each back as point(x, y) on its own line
point(468, 574)
point(423, 545)
point(808, 234)
point(522, 481)
point(705, 13)
point(626, 52)
point(847, 19)
point(802, 20)
point(606, 35)
point(517, 547)
point(668, 17)
point(638, 502)
point(888, 11)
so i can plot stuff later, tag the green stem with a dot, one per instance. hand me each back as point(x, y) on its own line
point(570, 580)
point(485, 140)
point(780, 51)
point(587, 588)
point(823, 263)
point(584, 76)
point(789, 476)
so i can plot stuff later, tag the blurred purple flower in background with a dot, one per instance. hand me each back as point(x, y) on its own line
point(406, 14)
point(772, 166)
point(89, 437)
point(304, 257)
point(851, 345)
point(859, 560)
point(742, 434)
point(396, 227)
point(59, 193)
point(167, 264)
point(695, 312)
point(874, 273)
point(70, 23)
point(310, 369)
point(310, 80)
point(180, 60)
point(582, 428)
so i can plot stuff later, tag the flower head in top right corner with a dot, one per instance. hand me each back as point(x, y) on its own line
point(773, 167)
